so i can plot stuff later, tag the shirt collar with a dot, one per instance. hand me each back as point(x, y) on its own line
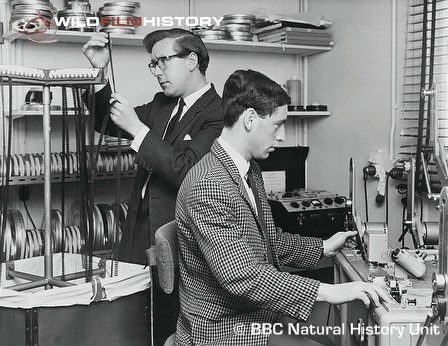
point(241, 164)
point(192, 98)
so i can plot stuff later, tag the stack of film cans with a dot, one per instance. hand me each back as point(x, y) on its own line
point(119, 17)
point(239, 26)
point(75, 16)
point(31, 16)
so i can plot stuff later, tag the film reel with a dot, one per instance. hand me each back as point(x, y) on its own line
point(33, 26)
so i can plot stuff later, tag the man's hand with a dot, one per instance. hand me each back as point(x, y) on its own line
point(123, 115)
point(338, 241)
point(96, 50)
point(350, 291)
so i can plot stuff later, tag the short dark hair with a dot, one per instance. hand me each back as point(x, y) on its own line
point(185, 42)
point(250, 89)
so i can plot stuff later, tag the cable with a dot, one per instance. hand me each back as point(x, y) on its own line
point(29, 215)
point(365, 199)
point(329, 313)
point(369, 170)
point(386, 195)
point(403, 226)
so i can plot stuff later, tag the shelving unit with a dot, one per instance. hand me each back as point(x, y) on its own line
point(219, 45)
point(57, 178)
point(308, 115)
point(23, 114)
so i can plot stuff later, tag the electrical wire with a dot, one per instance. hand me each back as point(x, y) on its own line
point(365, 199)
point(386, 195)
point(403, 226)
point(29, 215)
point(329, 313)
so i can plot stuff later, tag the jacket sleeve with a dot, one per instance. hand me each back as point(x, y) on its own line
point(287, 244)
point(311, 250)
point(225, 246)
point(102, 110)
point(173, 161)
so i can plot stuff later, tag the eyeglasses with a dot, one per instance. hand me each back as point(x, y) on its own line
point(161, 62)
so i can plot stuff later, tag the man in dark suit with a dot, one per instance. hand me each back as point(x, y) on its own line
point(230, 252)
point(170, 134)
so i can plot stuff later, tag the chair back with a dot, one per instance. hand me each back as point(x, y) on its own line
point(166, 256)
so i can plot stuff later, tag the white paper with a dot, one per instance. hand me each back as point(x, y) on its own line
point(274, 181)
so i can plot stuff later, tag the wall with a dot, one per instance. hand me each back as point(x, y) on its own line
point(354, 79)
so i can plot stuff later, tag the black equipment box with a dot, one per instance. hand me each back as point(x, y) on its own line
point(308, 213)
point(291, 160)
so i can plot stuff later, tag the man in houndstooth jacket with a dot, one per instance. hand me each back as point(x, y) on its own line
point(230, 251)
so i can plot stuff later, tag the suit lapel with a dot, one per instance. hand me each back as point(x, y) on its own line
point(197, 107)
point(228, 163)
point(230, 166)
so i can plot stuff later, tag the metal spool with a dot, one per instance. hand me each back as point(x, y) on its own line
point(18, 233)
point(238, 28)
point(241, 36)
point(213, 34)
point(119, 30)
point(238, 19)
point(77, 5)
point(134, 4)
point(30, 16)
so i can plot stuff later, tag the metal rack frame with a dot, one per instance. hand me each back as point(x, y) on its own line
point(48, 279)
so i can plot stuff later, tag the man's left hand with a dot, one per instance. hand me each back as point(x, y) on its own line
point(123, 115)
point(338, 241)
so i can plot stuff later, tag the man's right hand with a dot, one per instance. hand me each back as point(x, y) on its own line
point(96, 50)
point(347, 292)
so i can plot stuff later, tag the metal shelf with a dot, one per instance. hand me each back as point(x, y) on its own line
point(57, 178)
point(308, 115)
point(214, 45)
point(23, 114)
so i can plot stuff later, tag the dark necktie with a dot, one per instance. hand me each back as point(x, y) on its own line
point(174, 120)
point(251, 182)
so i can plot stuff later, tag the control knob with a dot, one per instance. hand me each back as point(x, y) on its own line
point(295, 205)
point(328, 201)
point(339, 200)
point(306, 203)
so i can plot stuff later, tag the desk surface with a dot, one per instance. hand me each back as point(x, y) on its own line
point(404, 316)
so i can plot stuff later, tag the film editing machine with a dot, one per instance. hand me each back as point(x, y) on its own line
point(416, 280)
point(402, 273)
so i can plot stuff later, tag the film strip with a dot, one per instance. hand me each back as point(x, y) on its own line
point(33, 164)
point(20, 243)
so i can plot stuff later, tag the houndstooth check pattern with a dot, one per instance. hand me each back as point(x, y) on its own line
point(226, 282)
